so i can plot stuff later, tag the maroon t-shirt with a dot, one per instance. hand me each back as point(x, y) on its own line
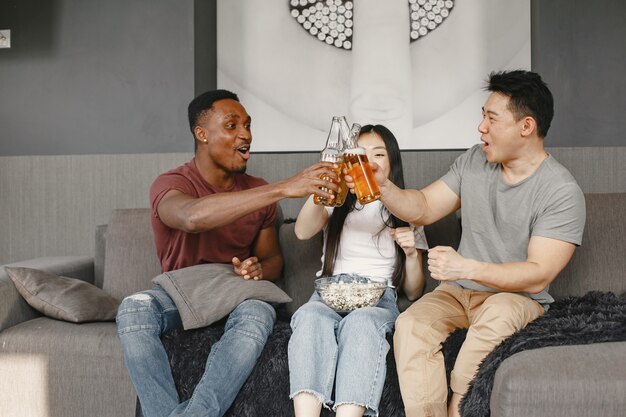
point(178, 249)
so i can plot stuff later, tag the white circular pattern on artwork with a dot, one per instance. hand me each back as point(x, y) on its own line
point(330, 21)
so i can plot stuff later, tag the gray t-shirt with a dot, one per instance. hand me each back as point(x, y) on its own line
point(498, 219)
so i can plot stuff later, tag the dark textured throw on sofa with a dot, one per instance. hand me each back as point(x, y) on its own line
point(593, 318)
point(266, 392)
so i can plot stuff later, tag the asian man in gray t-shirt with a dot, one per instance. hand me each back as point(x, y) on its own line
point(522, 214)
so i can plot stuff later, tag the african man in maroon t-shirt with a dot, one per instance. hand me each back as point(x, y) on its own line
point(210, 211)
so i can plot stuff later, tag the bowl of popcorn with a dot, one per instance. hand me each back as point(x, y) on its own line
point(345, 293)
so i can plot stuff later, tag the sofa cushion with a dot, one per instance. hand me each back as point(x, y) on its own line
point(14, 309)
point(562, 381)
point(205, 293)
point(131, 261)
point(63, 298)
point(55, 368)
point(598, 264)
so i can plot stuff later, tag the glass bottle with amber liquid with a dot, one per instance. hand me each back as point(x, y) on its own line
point(358, 167)
point(333, 152)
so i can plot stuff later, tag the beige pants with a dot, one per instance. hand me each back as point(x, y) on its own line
point(422, 328)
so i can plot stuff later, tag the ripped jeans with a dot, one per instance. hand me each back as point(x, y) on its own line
point(144, 316)
point(348, 351)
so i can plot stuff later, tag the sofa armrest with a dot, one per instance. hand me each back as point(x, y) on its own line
point(562, 381)
point(13, 308)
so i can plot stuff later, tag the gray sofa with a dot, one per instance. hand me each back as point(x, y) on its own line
point(50, 368)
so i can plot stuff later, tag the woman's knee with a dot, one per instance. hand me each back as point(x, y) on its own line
point(314, 314)
point(369, 320)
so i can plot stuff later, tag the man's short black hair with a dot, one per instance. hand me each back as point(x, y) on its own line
point(204, 102)
point(528, 94)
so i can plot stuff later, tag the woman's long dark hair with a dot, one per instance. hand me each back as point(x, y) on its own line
point(338, 217)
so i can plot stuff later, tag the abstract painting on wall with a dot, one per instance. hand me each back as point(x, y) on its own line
point(417, 66)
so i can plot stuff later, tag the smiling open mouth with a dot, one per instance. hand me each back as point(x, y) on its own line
point(244, 151)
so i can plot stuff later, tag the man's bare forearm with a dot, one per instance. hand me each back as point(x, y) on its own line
point(408, 205)
point(220, 209)
point(511, 277)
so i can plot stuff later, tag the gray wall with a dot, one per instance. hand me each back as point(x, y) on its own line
point(96, 77)
point(579, 49)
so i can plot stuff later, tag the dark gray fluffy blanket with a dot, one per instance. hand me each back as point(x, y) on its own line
point(595, 317)
point(266, 392)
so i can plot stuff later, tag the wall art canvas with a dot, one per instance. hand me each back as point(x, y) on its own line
point(416, 66)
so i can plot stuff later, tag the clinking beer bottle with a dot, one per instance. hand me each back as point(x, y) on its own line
point(357, 164)
point(344, 134)
point(332, 152)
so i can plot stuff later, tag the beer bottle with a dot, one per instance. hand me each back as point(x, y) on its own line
point(332, 152)
point(357, 164)
point(344, 135)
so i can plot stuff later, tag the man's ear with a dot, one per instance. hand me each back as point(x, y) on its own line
point(200, 134)
point(529, 126)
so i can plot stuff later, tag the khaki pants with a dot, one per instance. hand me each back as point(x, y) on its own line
point(422, 328)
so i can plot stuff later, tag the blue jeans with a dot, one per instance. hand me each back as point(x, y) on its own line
point(347, 350)
point(144, 316)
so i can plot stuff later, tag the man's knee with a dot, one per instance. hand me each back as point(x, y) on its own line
point(515, 309)
point(257, 316)
point(136, 301)
point(136, 312)
point(412, 327)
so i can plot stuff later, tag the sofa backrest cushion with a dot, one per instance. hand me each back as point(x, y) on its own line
point(130, 255)
point(600, 262)
point(444, 232)
point(301, 260)
point(99, 255)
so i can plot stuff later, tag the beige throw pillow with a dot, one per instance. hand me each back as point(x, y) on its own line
point(61, 297)
point(206, 293)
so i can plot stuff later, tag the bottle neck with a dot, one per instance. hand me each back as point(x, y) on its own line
point(351, 141)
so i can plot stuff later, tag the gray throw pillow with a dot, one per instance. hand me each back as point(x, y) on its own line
point(63, 298)
point(206, 293)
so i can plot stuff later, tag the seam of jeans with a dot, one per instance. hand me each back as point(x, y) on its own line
point(212, 353)
point(135, 328)
point(331, 377)
point(381, 343)
point(386, 326)
point(257, 320)
point(250, 335)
